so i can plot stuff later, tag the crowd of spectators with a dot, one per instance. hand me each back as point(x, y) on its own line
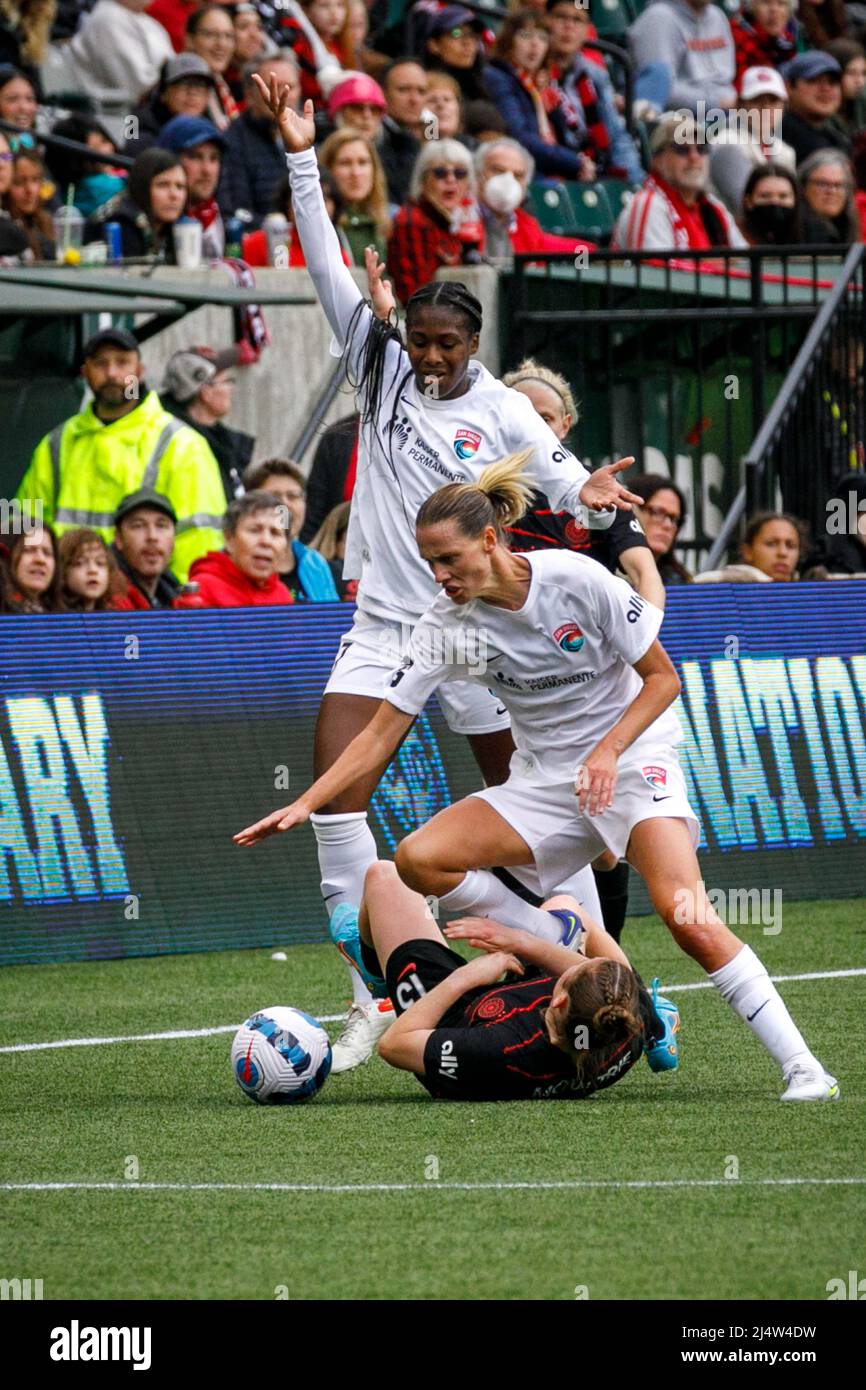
point(768, 88)
point(435, 127)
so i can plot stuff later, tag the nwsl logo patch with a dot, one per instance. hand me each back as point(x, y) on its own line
point(466, 443)
point(569, 637)
point(656, 776)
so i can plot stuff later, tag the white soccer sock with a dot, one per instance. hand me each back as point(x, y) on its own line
point(746, 986)
point(481, 894)
point(346, 851)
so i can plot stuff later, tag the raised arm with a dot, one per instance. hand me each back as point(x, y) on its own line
point(337, 291)
point(369, 750)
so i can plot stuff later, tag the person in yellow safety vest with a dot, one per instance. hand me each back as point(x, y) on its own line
point(124, 440)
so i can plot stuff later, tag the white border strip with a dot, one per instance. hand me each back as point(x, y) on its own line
point(335, 1018)
point(567, 1185)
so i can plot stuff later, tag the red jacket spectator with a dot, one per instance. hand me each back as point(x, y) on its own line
point(421, 241)
point(173, 15)
point(527, 234)
point(223, 585)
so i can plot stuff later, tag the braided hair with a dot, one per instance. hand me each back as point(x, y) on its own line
point(369, 378)
point(603, 1010)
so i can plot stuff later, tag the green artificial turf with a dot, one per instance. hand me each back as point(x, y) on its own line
point(172, 1107)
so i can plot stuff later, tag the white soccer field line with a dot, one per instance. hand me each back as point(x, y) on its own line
point(335, 1018)
point(526, 1185)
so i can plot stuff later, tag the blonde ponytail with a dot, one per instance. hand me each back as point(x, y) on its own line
point(500, 496)
point(508, 486)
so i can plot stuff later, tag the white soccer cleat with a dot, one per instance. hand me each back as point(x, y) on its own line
point(805, 1082)
point(364, 1027)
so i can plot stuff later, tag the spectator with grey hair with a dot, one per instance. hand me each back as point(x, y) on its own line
point(244, 574)
point(503, 173)
point(305, 573)
point(439, 225)
point(254, 161)
point(827, 187)
point(673, 210)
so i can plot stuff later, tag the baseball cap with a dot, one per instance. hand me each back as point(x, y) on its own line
point(807, 66)
point(191, 369)
point(144, 497)
point(111, 337)
point(449, 18)
point(676, 128)
point(184, 67)
point(757, 82)
point(185, 132)
point(357, 90)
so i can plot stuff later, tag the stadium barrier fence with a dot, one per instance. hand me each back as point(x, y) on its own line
point(132, 747)
point(675, 360)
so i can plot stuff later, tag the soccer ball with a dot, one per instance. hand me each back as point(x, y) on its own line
point(280, 1056)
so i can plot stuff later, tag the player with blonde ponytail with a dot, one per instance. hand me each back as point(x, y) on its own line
point(573, 654)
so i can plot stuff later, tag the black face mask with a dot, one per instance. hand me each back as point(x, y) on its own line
point(770, 224)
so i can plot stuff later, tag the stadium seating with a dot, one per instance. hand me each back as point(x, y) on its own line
point(568, 209)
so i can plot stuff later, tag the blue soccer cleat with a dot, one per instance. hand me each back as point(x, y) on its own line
point(572, 927)
point(664, 1053)
point(343, 927)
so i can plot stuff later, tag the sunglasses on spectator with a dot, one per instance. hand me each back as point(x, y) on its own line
point(685, 150)
point(6, 156)
point(441, 172)
point(659, 514)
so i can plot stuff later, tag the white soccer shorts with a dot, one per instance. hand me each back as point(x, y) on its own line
point(563, 838)
point(371, 650)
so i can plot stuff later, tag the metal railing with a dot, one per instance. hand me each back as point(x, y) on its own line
point(674, 358)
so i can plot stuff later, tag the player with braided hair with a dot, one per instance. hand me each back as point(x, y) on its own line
point(575, 656)
point(431, 415)
point(562, 1023)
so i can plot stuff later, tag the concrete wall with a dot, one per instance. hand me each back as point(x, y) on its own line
point(274, 398)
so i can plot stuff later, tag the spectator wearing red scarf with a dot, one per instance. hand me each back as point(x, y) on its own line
point(532, 108)
point(673, 211)
point(200, 146)
point(586, 93)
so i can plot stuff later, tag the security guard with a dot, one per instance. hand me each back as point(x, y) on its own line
point(123, 440)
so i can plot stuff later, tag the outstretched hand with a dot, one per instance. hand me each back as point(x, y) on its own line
point(298, 132)
point(284, 819)
point(381, 293)
point(602, 490)
point(484, 935)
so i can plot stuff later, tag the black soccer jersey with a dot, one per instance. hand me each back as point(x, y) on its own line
point(499, 1049)
point(541, 528)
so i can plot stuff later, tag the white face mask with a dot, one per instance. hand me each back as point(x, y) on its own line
point(503, 193)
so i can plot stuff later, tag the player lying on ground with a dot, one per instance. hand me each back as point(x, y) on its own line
point(574, 654)
point(563, 1023)
point(430, 414)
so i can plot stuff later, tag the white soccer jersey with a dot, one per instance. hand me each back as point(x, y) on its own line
point(561, 664)
point(431, 443)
